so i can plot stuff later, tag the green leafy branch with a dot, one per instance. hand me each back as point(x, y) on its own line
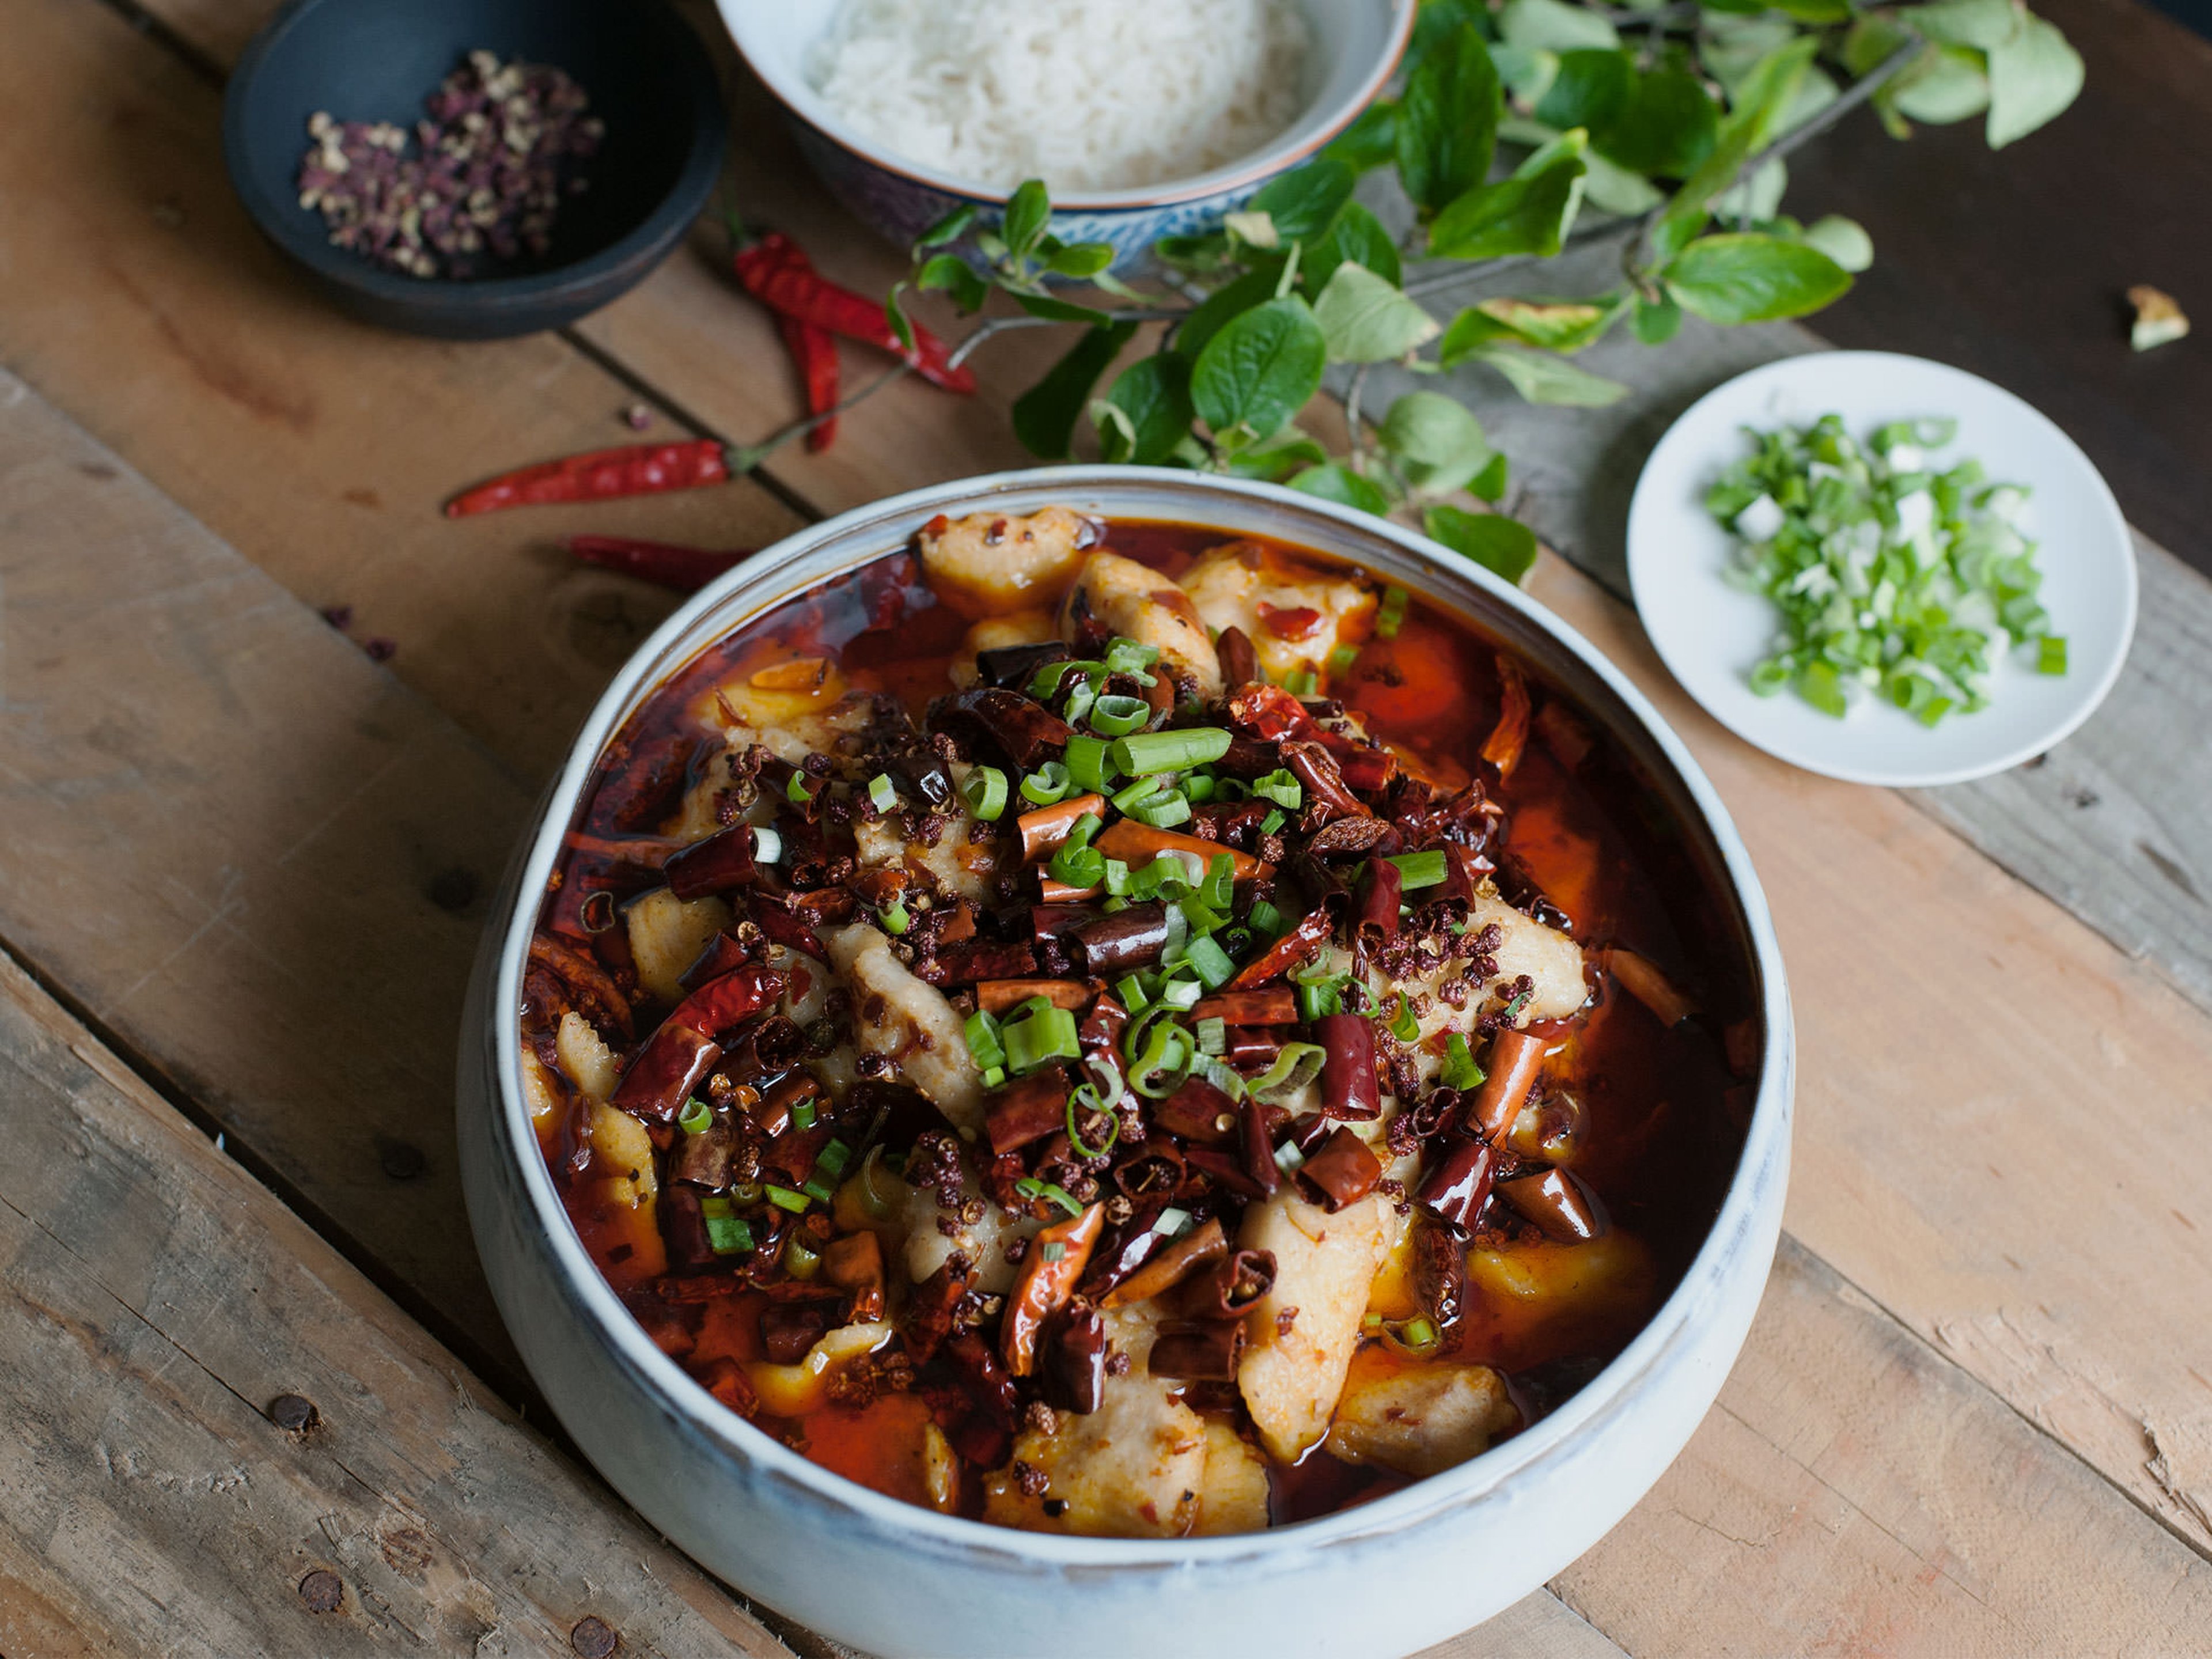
point(1516, 133)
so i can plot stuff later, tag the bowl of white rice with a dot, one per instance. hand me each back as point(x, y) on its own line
point(1143, 118)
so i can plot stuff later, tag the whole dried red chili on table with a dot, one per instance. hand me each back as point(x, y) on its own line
point(686, 569)
point(600, 475)
point(775, 272)
point(813, 349)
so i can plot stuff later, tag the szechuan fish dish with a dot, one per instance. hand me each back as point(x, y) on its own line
point(1098, 1027)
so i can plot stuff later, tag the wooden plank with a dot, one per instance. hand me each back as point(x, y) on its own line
point(243, 848)
point(1854, 1492)
point(1538, 1626)
point(139, 296)
point(154, 1299)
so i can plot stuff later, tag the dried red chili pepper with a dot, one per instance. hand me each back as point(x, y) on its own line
point(791, 287)
point(1055, 1261)
point(686, 569)
point(600, 475)
point(813, 349)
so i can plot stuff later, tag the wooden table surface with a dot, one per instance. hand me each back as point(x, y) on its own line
point(260, 1401)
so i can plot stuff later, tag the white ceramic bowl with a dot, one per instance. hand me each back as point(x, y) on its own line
point(1357, 45)
point(1389, 1577)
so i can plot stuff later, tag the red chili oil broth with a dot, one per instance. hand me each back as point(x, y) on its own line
point(1661, 1140)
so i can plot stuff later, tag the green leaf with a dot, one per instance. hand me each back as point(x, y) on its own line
point(1844, 240)
point(1447, 125)
point(1367, 319)
point(1153, 398)
point(1982, 24)
point(1758, 196)
point(1029, 210)
point(1767, 90)
point(1276, 458)
point(1259, 369)
point(1489, 484)
point(951, 272)
point(1058, 311)
point(1081, 259)
point(1503, 546)
point(1355, 235)
point(1527, 75)
point(1252, 229)
point(1612, 189)
point(1552, 324)
point(1044, 417)
point(1528, 213)
point(2032, 77)
point(1437, 20)
point(1542, 378)
point(1201, 254)
point(1472, 329)
point(1591, 85)
point(1303, 202)
point(1658, 321)
point(1436, 441)
point(1943, 85)
point(1668, 125)
point(1868, 40)
point(1371, 140)
point(1554, 26)
point(1815, 12)
point(949, 229)
point(1337, 482)
point(895, 314)
point(1255, 288)
point(1748, 278)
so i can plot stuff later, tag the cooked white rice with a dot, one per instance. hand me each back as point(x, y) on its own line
point(1086, 94)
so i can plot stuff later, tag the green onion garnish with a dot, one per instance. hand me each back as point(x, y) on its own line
point(1090, 765)
point(2051, 655)
point(1087, 1098)
point(1048, 784)
point(1213, 1035)
point(1131, 991)
point(1170, 752)
point(1201, 917)
point(1318, 1000)
point(1272, 822)
point(1200, 786)
point(802, 1112)
point(1031, 1187)
point(983, 1044)
point(1130, 796)
point(1391, 616)
point(1117, 716)
point(795, 790)
point(894, 917)
point(1054, 1249)
point(1418, 870)
point(800, 1259)
point(1298, 1065)
point(817, 1188)
point(833, 1158)
point(1162, 813)
point(697, 1115)
point(882, 793)
point(1047, 1034)
point(984, 790)
point(727, 1234)
point(1265, 918)
point(1219, 887)
point(1159, 1068)
point(1460, 1070)
point(1401, 1022)
point(1341, 659)
point(1127, 656)
point(1212, 963)
point(1281, 787)
point(1180, 993)
point(1078, 866)
point(1302, 683)
point(785, 1199)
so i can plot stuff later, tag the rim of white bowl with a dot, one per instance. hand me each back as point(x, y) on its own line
point(1765, 1139)
point(791, 90)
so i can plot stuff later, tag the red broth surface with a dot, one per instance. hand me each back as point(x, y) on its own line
point(1647, 1116)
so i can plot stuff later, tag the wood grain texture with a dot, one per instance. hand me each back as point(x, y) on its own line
point(1853, 1492)
point(243, 848)
point(154, 1300)
point(139, 296)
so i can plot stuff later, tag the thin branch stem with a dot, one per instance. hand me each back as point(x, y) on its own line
point(1354, 426)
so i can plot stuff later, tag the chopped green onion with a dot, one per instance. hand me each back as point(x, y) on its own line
point(984, 790)
point(816, 1188)
point(1460, 1070)
point(1288, 1158)
point(727, 1234)
point(1089, 764)
point(697, 1115)
point(882, 792)
point(1341, 659)
point(1265, 918)
point(1083, 830)
point(1128, 798)
point(1080, 696)
point(795, 790)
point(1401, 1022)
point(1078, 866)
point(1171, 1222)
point(2051, 655)
point(1213, 1035)
point(894, 917)
point(1170, 752)
point(1165, 1061)
point(983, 1034)
point(1418, 1335)
point(1047, 680)
point(785, 1199)
point(1181, 994)
point(1047, 1034)
point(1281, 787)
point(1391, 615)
point(1295, 1066)
point(1302, 683)
point(1317, 1000)
point(1127, 656)
point(1163, 812)
point(994, 1077)
point(1117, 716)
point(1201, 917)
point(1221, 1074)
point(1031, 1187)
point(768, 846)
point(1131, 992)
point(1272, 822)
point(800, 1259)
point(1219, 887)
point(1054, 1249)
point(1048, 784)
point(1419, 870)
point(802, 1112)
point(1087, 1097)
point(1212, 963)
point(834, 1157)
point(1199, 787)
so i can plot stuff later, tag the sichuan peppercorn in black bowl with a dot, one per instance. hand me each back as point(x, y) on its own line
point(474, 168)
point(1136, 1057)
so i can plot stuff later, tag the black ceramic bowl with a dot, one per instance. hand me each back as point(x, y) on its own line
point(647, 75)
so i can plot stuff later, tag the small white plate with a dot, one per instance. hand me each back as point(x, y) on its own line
point(1710, 635)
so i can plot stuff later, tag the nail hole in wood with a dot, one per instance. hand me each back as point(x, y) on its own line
point(322, 1590)
point(594, 1638)
point(294, 1413)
